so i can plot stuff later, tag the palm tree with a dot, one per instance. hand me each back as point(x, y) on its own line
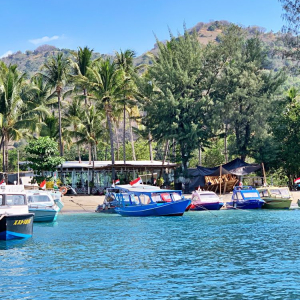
point(107, 85)
point(124, 61)
point(72, 119)
point(56, 74)
point(82, 63)
point(15, 119)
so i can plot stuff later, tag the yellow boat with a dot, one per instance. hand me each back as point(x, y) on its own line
point(275, 197)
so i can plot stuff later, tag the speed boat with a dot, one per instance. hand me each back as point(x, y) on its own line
point(144, 200)
point(205, 200)
point(245, 197)
point(42, 204)
point(16, 222)
point(276, 197)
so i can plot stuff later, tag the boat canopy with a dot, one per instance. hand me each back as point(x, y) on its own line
point(145, 189)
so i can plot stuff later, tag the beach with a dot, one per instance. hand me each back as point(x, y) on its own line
point(88, 203)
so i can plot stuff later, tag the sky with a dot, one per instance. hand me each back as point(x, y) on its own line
point(108, 26)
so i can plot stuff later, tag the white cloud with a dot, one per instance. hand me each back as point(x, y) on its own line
point(44, 39)
point(6, 54)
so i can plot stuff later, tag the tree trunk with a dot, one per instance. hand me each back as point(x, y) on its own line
point(6, 154)
point(225, 143)
point(85, 97)
point(118, 144)
point(124, 125)
point(200, 155)
point(150, 147)
point(111, 135)
point(95, 152)
point(3, 152)
point(132, 141)
point(59, 124)
point(79, 154)
point(90, 154)
point(165, 156)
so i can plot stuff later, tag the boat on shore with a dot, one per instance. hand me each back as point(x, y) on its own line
point(144, 200)
point(205, 200)
point(16, 222)
point(275, 197)
point(245, 197)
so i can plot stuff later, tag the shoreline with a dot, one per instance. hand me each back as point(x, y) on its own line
point(74, 204)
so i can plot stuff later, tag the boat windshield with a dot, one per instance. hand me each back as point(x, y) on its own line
point(38, 198)
point(250, 195)
point(284, 193)
point(205, 197)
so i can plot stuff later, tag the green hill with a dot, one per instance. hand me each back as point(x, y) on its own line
point(31, 61)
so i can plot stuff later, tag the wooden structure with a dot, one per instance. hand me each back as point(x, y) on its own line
point(223, 184)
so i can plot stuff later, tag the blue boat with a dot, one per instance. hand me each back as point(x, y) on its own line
point(144, 201)
point(245, 197)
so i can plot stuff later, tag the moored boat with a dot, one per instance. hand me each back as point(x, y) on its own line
point(43, 206)
point(205, 200)
point(275, 197)
point(143, 200)
point(245, 197)
point(110, 202)
point(15, 220)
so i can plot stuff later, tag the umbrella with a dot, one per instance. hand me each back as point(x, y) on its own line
point(297, 180)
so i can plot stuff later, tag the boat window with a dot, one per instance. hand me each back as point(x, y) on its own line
point(145, 199)
point(285, 193)
point(1, 200)
point(195, 198)
point(155, 197)
point(166, 197)
point(264, 193)
point(134, 199)
point(251, 195)
point(176, 197)
point(15, 199)
point(275, 192)
point(238, 196)
point(38, 198)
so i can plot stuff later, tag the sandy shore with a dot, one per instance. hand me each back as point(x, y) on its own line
point(88, 203)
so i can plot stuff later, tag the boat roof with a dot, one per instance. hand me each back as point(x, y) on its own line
point(143, 188)
point(205, 193)
point(272, 187)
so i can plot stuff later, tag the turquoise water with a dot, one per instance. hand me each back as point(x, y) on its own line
point(236, 255)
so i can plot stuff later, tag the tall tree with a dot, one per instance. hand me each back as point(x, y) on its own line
point(180, 109)
point(245, 90)
point(107, 85)
point(15, 120)
point(83, 60)
point(124, 60)
point(56, 73)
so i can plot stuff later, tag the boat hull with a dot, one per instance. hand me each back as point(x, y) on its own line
point(16, 226)
point(248, 204)
point(276, 203)
point(206, 206)
point(43, 215)
point(176, 208)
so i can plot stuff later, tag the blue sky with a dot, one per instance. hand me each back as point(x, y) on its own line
point(106, 26)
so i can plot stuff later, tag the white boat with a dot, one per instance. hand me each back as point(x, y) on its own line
point(15, 220)
point(42, 204)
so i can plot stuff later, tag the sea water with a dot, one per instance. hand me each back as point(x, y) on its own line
point(201, 255)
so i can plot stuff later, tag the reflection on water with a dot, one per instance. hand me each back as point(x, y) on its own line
point(236, 255)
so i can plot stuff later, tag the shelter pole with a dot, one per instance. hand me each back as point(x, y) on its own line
point(220, 180)
point(264, 172)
